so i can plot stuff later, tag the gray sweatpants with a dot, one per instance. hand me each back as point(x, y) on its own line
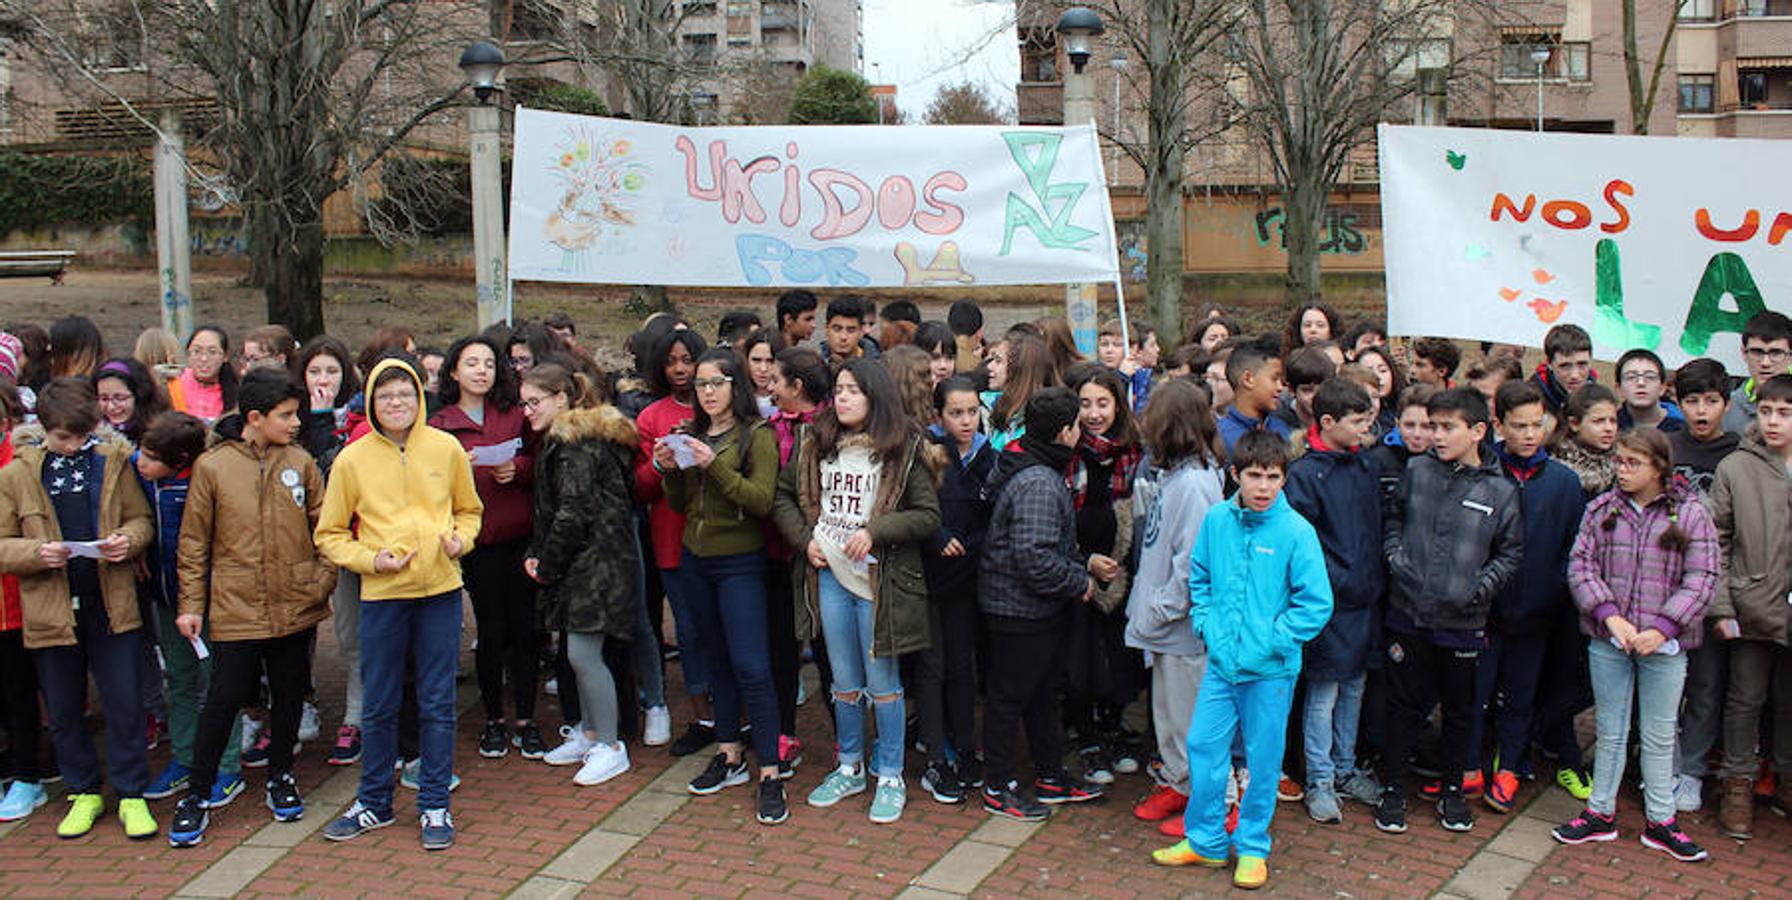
point(345, 607)
point(1175, 683)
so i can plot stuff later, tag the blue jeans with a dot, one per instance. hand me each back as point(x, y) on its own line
point(727, 599)
point(1329, 723)
point(428, 629)
point(1651, 685)
point(1258, 711)
point(650, 679)
point(846, 625)
point(692, 660)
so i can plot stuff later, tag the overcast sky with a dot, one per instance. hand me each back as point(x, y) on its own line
point(920, 45)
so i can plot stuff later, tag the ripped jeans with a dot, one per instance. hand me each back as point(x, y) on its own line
point(859, 678)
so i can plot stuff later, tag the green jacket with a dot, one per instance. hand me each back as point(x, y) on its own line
point(725, 505)
point(588, 555)
point(906, 514)
point(1751, 503)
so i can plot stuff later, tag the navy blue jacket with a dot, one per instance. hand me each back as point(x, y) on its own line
point(1339, 493)
point(964, 514)
point(168, 500)
point(1550, 503)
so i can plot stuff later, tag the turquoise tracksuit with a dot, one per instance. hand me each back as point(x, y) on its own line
point(1258, 590)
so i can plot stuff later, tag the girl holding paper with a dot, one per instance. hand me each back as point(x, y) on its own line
point(1643, 570)
point(480, 409)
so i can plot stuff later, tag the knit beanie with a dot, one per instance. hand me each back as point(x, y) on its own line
point(11, 349)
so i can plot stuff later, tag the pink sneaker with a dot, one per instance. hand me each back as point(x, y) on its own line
point(347, 751)
point(790, 755)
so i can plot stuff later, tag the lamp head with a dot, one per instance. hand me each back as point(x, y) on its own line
point(481, 62)
point(1540, 55)
point(1078, 26)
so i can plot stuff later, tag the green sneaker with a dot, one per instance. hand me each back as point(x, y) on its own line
point(1575, 782)
point(839, 785)
point(887, 803)
point(138, 823)
point(83, 811)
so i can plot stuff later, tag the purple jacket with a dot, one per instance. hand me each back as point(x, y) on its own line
point(1623, 569)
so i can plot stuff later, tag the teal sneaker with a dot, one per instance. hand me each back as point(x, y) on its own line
point(839, 785)
point(887, 803)
point(409, 779)
point(22, 798)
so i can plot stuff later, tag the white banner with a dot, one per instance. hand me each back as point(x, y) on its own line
point(613, 201)
point(1664, 243)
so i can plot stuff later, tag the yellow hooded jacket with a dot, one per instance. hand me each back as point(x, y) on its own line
point(381, 496)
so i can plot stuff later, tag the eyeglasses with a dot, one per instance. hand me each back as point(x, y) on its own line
point(205, 353)
point(1631, 463)
point(1759, 354)
point(115, 399)
point(1645, 377)
point(404, 399)
point(531, 404)
point(712, 384)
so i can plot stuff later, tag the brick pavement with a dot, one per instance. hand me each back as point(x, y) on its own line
point(524, 828)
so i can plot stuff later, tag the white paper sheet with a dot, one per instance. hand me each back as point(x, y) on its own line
point(497, 454)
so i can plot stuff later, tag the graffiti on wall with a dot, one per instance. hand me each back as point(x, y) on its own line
point(1339, 231)
point(1132, 243)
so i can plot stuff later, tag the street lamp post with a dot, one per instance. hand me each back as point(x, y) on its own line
point(1540, 55)
point(481, 62)
point(1117, 63)
point(1077, 28)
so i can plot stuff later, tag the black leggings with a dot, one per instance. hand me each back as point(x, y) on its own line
point(787, 659)
point(504, 608)
point(946, 675)
point(18, 695)
point(237, 668)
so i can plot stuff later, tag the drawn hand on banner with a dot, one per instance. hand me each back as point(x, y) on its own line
point(944, 267)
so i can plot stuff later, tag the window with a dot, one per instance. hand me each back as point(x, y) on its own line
point(1570, 61)
point(534, 22)
point(700, 9)
point(1753, 87)
point(1698, 10)
point(1696, 93)
point(699, 48)
point(1038, 54)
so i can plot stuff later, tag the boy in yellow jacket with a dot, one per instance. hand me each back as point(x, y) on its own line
point(399, 510)
point(247, 563)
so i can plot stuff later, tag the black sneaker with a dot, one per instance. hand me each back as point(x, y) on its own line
point(494, 741)
point(1066, 788)
point(1452, 812)
point(528, 741)
point(1096, 766)
point(1390, 813)
point(1668, 838)
point(720, 774)
point(284, 800)
point(1589, 827)
point(941, 780)
point(970, 772)
point(696, 736)
point(772, 808)
point(1010, 802)
point(189, 824)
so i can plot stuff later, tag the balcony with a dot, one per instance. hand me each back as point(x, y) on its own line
point(1755, 9)
point(1040, 102)
point(1760, 36)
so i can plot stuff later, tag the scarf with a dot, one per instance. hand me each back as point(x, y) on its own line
point(1096, 450)
point(1044, 452)
point(1523, 468)
point(1597, 471)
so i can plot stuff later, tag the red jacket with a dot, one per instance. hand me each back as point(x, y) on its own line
point(666, 526)
point(508, 507)
point(12, 618)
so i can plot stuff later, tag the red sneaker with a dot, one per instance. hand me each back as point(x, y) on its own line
point(1472, 786)
point(1171, 827)
point(1232, 819)
point(1501, 791)
point(1765, 783)
point(1160, 804)
point(1289, 791)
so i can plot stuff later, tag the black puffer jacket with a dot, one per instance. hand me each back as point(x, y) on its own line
point(585, 538)
point(1453, 540)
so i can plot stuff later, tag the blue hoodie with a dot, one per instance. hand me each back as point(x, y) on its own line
point(168, 500)
point(1258, 590)
point(1550, 504)
point(964, 514)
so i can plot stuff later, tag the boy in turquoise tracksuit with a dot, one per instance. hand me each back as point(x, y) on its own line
point(1258, 590)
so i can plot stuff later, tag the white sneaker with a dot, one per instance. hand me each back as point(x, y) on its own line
point(659, 727)
point(552, 687)
point(308, 727)
point(251, 731)
point(573, 751)
point(602, 763)
point(1689, 793)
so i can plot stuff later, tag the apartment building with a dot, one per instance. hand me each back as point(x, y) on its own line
point(1727, 73)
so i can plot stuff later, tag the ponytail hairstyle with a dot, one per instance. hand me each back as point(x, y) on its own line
point(553, 378)
point(1651, 443)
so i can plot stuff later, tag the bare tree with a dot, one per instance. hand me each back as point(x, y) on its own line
point(1642, 97)
point(309, 97)
point(1316, 78)
point(965, 103)
point(1173, 39)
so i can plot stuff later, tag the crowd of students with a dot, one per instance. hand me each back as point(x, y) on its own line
point(1293, 549)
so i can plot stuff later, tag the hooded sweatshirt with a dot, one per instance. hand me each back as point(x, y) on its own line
point(1031, 567)
point(1751, 502)
point(1696, 461)
point(1171, 504)
point(383, 496)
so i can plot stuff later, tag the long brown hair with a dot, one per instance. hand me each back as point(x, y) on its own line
point(1651, 443)
point(886, 423)
point(1061, 342)
point(553, 378)
point(1178, 425)
point(1029, 369)
point(908, 364)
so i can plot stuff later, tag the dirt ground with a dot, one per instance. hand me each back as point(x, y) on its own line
point(124, 302)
